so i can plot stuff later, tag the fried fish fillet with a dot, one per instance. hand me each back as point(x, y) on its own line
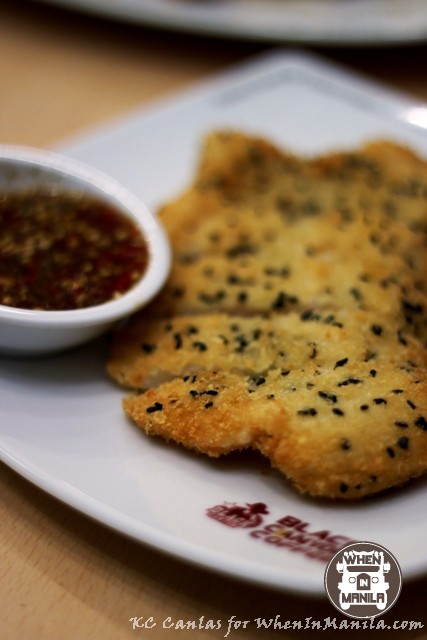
point(294, 319)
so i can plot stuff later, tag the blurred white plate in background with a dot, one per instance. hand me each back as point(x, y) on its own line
point(322, 22)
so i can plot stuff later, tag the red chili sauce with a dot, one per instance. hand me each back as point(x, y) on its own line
point(61, 251)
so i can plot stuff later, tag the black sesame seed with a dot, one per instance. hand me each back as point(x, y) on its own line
point(309, 315)
point(242, 343)
point(376, 329)
point(364, 407)
point(306, 315)
point(403, 442)
point(330, 397)
point(280, 301)
point(373, 373)
point(356, 293)
point(233, 279)
point(200, 346)
point(178, 340)
point(380, 401)
point(338, 412)
point(313, 353)
point(345, 444)
point(343, 487)
point(188, 258)
point(212, 298)
point(214, 237)
point(412, 308)
point(341, 363)
point(241, 250)
point(148, 347)
point(390, 452)
point(411, 404)
point(208, 404)
point(157, 406)
point(192, 330)
point(345, 383)
point(421, 422)
point(178, 292)
point(401, 339)
point(400, 424)
point(307, 412)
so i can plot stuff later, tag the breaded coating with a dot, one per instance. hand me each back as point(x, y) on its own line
point(310, 263)
point(294, 319)
point(348, 431)
point(151, 352)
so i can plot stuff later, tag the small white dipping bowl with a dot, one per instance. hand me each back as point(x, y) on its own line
point(33, 332)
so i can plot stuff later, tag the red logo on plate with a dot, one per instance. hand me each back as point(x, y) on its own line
point(233, 515)
point(288, 532)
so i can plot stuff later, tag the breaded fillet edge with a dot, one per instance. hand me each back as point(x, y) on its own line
point(332, 434)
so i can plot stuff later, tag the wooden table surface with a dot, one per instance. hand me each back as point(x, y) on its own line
point(63, 576)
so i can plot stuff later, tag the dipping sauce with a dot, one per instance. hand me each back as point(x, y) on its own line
point(63, 251)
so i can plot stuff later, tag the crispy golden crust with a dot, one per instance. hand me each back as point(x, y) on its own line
point(151, 352)
point(259, 229)
point(261, 265)
point(294, 320)
point(347, 431)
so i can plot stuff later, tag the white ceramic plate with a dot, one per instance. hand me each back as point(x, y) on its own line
point(341, 22)
point(61, 422)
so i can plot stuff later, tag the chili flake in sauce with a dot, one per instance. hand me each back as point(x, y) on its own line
point(61, 251)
